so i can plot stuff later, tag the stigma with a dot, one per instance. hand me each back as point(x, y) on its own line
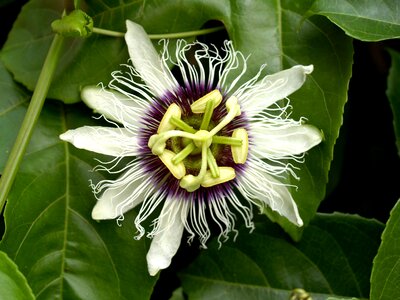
point(199, 144)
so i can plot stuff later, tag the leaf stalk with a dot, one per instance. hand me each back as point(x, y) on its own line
point(32, 115)
point(176, 35)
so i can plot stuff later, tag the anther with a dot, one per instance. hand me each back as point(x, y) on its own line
point(239, 153)
point(199, 106)
point(176, 169)
point(165, 124)
point(225, 174)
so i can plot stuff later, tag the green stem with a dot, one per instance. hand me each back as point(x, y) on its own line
point(31, 117)
point(176, 35)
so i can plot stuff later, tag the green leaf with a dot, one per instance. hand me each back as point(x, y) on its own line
point(13, 103)
point(334, 257)
point(49, 232)
point(276, 35)
point(393, 94)
point(366, 20)
point(13, 283)
point(385, 275)
point(83, 62)
point(321, 100)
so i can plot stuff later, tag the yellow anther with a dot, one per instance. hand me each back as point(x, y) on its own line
point(178, 170)
point(225, 174)
point(239, 153)
point(165, 124)
point(199, 105)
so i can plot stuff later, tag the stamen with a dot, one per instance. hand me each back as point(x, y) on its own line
point(173, 111)
point(212, 164)
point(233, 111)
point(226, 174)
point(185, 152)
point(199, 106)
point(239, 153)
point(226, 140)
point(232, 104)
point(192, 183)
point(182, 125)
point(207, 115)
point(176, 169)
point(157, 142)
point(210, 173)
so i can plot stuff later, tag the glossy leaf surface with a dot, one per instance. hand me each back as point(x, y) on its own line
point(13, 284)
point(334, 257)
point(276, 34)
point(49, 232)
point(366, 20)
point(385, 276)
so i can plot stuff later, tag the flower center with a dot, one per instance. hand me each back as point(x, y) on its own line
point(199, 141)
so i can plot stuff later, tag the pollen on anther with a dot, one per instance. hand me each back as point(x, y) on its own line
point(178, 170)
point(239, 153)
point(199, 105)
point(165, 124)
point(225, 174)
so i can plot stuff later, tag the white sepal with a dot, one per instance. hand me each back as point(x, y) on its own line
point(120, 195)
point(104, 140)
point(113, 105)
point(257, 186)
point(255, 98)
point(152, 69)
point(167, 238)
point(283, 141)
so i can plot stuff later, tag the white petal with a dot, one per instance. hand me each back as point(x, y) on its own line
point(167, 240)
point(104, 140)
point(147, 62)
point(272, 88)
point(113, 105)
point(284, 141)
point(121, 195)
point(257, 185)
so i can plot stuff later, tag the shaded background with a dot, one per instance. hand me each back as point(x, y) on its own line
point(365, 176)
